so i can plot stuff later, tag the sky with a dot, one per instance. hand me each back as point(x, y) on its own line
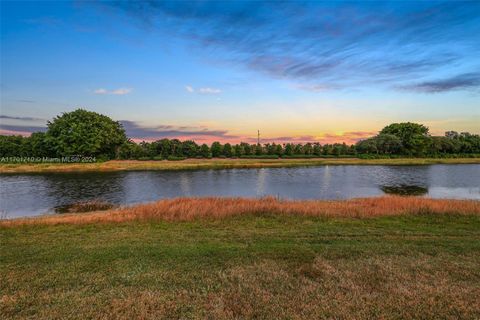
point(219, 71)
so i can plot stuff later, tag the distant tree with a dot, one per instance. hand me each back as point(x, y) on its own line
point(227, 150)
point(87, 133)
point(190, 149)
point(279, 150)
point(216, 149)
point(247, 148)
point(239, 150)
point(288, 149)
point(308, 148)
point(39, 146)
point(270, 149)
point(317, 149)
point(12, 146)
point(367, 146)
point(258, 149)
point(388, 144)
point(130, 150)
point(205, 151)
point(177, 148)
point(298, 149)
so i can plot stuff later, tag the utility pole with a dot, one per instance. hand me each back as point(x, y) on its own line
point(258, 138)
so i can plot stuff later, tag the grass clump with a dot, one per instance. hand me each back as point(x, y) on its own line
point(85, 206)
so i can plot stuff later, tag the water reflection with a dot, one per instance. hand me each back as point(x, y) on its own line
point(23, 194)
point(405, 190)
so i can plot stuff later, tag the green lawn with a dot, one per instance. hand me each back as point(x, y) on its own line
point(263, 267)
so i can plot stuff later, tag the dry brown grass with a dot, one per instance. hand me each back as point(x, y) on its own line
point(185, 209)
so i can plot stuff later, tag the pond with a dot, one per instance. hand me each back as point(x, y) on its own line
point(35, 194)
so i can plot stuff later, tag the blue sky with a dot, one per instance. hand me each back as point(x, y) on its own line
point(298, 71)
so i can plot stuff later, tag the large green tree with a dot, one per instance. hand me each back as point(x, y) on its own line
point(85, 133)
point(413, 136)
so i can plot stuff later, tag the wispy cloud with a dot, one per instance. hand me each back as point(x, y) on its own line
point(347, 137)
point(139, 132)
point(20, 130)
point(205, 90)
point(119, 91)
point(341, 43)
point(209, 91)
point(19, 118)
point(459, 82)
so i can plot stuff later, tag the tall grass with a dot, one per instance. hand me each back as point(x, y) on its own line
point(185, 209)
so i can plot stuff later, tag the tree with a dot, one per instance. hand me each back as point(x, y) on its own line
point(216, 149)
point(279, 150)
point(239, 150)
point(248, 150)
point(388, 143)
point(413, 136)
point(227, 150)
point(190, 149)
point(258, 150)
point(12, 146)
point(130, 150)
point(308, 149)
point(288, 149)
point(205, 151)
point(367, 146)
point(85, 133)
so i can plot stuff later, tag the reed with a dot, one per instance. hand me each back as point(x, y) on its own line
point(187, 209)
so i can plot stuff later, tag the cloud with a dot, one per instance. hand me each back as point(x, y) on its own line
point(20, 130)
point(206, 90)
point(459, 82)
point(336, 44)
point(209, 91)
point(119, 91)
point(139, 133)
point(347, 137)
point(19, 118)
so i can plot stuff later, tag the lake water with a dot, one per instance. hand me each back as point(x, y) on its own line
point(34, 194)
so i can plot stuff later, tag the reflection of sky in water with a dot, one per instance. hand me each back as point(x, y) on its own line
point(22, 195)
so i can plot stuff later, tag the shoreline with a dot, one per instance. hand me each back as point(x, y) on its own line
point(204, 164)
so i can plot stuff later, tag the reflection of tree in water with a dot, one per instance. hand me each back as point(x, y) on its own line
point(405, 190)
point(67, 189)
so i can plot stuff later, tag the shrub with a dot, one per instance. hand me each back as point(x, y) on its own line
point(175, 158)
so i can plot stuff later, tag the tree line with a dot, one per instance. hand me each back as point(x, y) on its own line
point(87, 133)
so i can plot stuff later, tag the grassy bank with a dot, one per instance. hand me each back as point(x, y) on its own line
point(393, 258)
point(192, 164)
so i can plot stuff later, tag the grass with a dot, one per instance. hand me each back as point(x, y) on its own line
point(392, 258)
point(191, 164)
point(187, 209)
